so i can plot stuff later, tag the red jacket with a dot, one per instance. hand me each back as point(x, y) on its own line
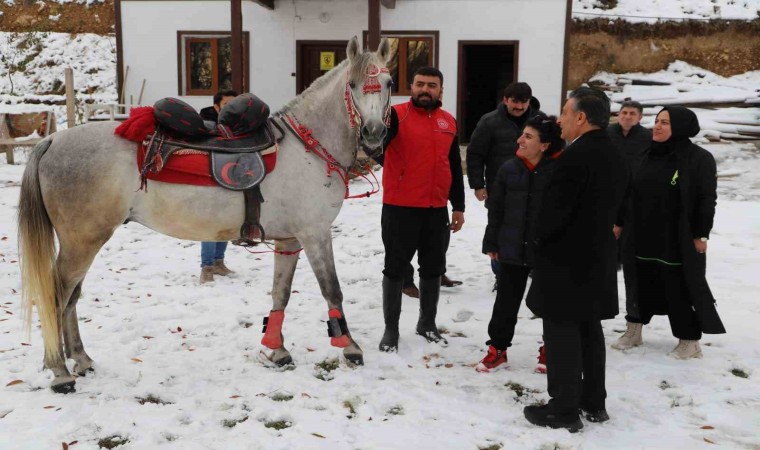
point(416, 171)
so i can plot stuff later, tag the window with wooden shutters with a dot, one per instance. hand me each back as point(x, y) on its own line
point(205, 62)
point(410, 50)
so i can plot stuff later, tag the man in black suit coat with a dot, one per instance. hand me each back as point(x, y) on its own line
point(574, 280)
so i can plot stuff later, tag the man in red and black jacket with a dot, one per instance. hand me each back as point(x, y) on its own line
point(422, 173)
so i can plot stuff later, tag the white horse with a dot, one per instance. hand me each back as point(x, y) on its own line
point(81, 184)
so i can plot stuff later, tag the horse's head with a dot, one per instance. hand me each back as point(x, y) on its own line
point(368, 94)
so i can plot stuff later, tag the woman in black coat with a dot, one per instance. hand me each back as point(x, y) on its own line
point(672, 210)
point(514, 201)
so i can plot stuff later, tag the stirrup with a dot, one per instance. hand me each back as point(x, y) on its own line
point(244, 242)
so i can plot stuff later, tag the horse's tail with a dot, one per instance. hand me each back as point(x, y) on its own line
point(40, 283)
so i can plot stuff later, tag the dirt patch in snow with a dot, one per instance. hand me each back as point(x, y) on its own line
point(25, 16)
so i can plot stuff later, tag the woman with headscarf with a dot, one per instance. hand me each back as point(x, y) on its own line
point(672, 210)
point(514, 203)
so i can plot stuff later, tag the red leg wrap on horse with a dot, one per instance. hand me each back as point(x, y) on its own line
point(341, 341)
point(273, 336)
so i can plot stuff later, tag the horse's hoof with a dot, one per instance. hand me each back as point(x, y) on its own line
point(84, 372)
point(64, 386)
point(286, 361)
point(355, 360)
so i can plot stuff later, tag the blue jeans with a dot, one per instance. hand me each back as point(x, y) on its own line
point(211, 251)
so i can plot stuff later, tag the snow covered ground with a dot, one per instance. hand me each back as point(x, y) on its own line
point(652, 10)
point(191, 351)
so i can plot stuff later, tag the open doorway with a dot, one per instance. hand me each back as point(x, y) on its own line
point(485, 69)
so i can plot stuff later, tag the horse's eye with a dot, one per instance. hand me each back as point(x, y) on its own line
point(390, 84)
point(352, 84)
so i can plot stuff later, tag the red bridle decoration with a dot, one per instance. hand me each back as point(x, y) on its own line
point(371, 83)
point(313, 146)
point(371, 86)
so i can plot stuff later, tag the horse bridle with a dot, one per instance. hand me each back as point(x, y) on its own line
point(371, 86)
point(312, 145)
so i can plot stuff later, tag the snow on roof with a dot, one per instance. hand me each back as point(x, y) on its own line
point(650, 11)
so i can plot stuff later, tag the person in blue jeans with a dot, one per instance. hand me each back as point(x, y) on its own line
point(212, 253)
point(212, 260)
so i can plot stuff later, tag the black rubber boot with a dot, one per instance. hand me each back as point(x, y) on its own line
point(430, 290)
point(391, 313)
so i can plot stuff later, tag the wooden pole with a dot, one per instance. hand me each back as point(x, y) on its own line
point(373, 34)
point(124, 85)
point(70, 100)
point(139, 99)
point(236, 14)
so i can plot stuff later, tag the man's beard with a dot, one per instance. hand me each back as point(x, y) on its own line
point(425, 102)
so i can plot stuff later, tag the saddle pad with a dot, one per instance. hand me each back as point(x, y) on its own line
point(237, 171)
point(191, 167)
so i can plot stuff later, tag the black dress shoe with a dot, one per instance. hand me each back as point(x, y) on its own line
point(595, 416)
point(543, 416)
point(411, 291)
point(448, 282)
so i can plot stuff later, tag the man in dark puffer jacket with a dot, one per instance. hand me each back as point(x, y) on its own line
point(494, 140)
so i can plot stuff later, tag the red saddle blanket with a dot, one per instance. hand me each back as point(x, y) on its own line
point(185, 166)
point(190, 167)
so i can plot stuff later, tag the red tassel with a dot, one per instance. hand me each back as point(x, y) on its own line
point(141, 123)
point(342, 341)
point(273, 336)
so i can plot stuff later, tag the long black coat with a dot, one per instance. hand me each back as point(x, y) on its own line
point(575, 276)
point(698, 189)
point(515, 202)
point(493, 142)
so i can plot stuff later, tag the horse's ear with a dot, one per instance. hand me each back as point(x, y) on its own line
point(384, 50)
point(353, 50)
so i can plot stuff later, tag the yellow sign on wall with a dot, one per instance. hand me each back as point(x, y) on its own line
point(326, 60)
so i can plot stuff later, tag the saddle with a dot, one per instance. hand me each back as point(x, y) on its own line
point(235, 146)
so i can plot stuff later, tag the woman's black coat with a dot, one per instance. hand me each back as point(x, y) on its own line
point(515, 200)
point(575, 275)
point(697, 176)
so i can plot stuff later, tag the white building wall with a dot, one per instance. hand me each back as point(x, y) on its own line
point(539, 25)
point(149, 32)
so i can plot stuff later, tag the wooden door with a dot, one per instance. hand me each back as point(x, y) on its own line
point(314, 58)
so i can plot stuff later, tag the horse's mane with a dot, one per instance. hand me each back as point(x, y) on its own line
point(357, 73)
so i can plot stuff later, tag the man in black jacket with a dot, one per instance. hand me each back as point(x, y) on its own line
point(628, 135)
point(633, 140)
point(574, 279)
point(494, 141)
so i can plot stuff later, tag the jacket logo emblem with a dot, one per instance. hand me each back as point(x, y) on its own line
point(442, 124)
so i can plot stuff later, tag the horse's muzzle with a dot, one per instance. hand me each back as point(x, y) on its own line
point(373, 134)
point(372, 152)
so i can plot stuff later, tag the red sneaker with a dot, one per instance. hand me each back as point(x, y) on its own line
point(541, 366)
point(494, 358)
